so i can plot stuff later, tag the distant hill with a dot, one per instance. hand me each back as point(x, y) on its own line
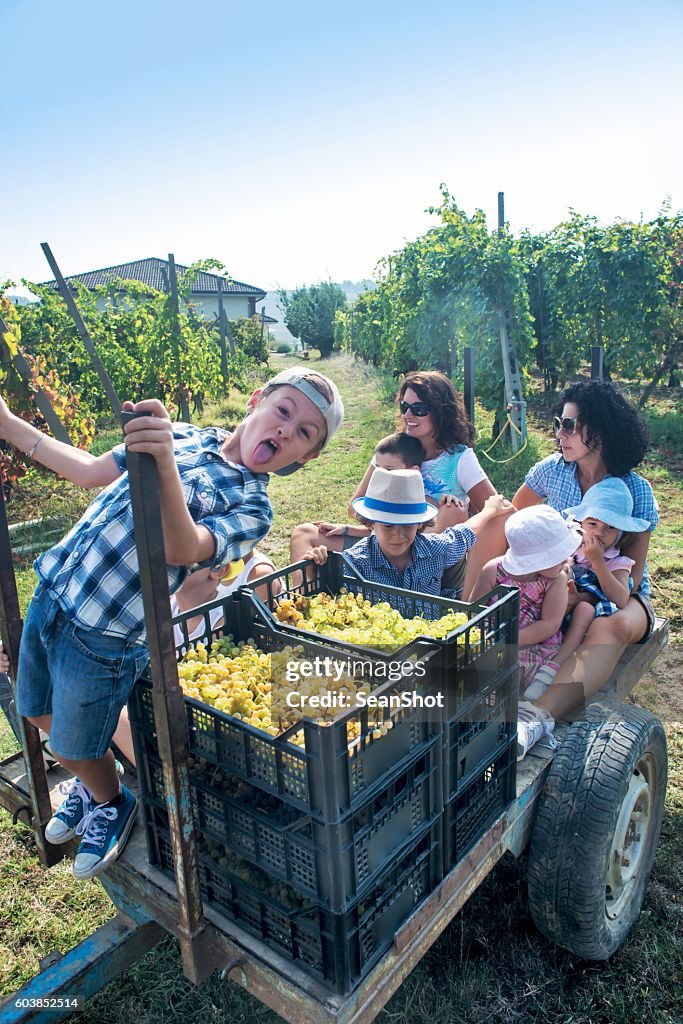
point(352, 289)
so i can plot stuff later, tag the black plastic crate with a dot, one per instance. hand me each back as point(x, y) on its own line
point(336, 948)
point(472, 811)
point(322, 774)
point(491, 629)
point(331, 863)
point(484, 725)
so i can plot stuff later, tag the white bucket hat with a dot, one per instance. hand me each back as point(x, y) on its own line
point(395, 497)
point(539, 538)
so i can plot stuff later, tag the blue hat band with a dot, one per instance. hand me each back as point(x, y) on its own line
point(398, 509)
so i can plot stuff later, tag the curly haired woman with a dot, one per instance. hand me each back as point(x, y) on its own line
point(600, 434)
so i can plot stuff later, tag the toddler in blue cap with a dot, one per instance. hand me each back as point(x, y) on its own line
point(601, 573)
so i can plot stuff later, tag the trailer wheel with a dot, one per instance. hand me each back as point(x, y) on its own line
point(596, 830)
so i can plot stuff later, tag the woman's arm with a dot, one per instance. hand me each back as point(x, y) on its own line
point(362, 488)
point(636, 548)
point(526, 497)
point(478, 495)
point(552, 613)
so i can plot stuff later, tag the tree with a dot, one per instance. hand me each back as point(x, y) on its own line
point(310, 314)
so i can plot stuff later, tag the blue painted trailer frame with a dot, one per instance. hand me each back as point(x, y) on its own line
point(148, 906)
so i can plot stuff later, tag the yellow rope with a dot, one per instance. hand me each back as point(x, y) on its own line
point(513, 426)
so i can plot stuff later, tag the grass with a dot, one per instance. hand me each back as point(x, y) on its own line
point(490, 965)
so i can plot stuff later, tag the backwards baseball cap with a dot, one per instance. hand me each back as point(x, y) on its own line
point(304, 380)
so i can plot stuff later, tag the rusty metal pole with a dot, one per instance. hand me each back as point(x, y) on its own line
point(175, 305)
point(468, 387)
point(169, 707)
point(222, 335)
point(82, 329)
point(597, 362)
point(29, 737)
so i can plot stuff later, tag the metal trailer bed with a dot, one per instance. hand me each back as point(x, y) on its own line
point(147, 905)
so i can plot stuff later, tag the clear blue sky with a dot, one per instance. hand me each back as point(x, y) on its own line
point(298, 141)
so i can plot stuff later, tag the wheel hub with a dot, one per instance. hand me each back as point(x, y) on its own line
point(629, 840)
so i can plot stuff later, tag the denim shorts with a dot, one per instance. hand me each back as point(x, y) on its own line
point(649, 611)
point(79, 676)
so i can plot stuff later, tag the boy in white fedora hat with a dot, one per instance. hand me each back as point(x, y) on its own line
point(397, 553)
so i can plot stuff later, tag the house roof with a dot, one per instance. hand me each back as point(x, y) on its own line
point(153, 272)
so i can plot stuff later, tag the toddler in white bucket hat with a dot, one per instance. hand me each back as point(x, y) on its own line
point(540, 542)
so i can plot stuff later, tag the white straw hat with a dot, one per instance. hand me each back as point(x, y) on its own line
point(538, 538)
point(395, 497)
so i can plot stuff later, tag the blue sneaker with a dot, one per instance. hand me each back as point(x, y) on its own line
point(105, 829)
point(63, 824)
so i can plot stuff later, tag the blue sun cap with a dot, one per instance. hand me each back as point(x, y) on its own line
point(611, 502)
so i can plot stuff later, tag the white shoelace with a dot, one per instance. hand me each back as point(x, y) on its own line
point(73, 789)
point(94, 823)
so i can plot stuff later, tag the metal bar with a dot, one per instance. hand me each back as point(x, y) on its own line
point(175, 306)
point(229, 335)
point(222, 334)
point(65, 292)
point(468, 356)
point(39, 397)
point(169, 709)
point(597, 362)
point(29, 737)
point(83, 971)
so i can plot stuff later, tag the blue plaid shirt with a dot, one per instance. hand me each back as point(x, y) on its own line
point(431, 555)
point(93, 572)
point(557, 480)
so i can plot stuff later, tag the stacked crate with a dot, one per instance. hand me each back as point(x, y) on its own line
point(320, 849)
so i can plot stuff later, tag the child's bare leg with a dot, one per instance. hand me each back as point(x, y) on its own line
point(589, 668)
point(123, 737)
point(99, 775)
point(491, 542)
point(307, 535)
point(582, 617)
point(43, 722)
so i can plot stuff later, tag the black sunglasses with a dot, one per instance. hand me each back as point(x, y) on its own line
point(566, 423)
point(417, 408)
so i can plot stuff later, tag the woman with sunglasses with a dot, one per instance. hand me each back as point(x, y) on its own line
point(430, 410)
point(433, 411)
point(600, 434)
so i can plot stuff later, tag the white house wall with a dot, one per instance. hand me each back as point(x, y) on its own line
point(235, 306)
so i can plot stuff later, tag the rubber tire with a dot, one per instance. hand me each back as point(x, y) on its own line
point(571, 844)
